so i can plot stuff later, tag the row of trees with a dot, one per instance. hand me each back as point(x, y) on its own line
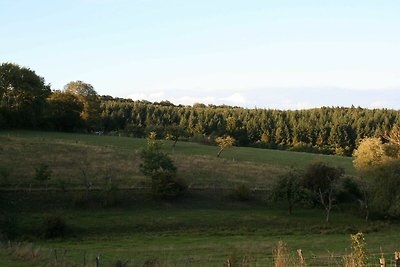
point(26, 101)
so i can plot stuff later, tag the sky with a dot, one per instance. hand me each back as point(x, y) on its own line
point(285, 54)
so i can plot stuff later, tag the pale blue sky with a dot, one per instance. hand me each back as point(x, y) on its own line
point(277, 54)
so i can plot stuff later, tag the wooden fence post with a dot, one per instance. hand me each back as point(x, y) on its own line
point(301, 258)
point(98, 261)
point(397, 259)
point(244, 262)
point(228, 262)
point(382, 262)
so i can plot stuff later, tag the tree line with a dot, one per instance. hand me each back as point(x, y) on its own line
point(26, 101)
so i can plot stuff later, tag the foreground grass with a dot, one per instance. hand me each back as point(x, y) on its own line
point(202, 232)
point(177, 235)
point(200, 229)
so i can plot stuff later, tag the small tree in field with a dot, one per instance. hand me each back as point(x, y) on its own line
point(43, 174)
point(160, 167)
point(322, 179)
point(289, 188)
point(174, 132)
point(224, 143)
point(155, 161)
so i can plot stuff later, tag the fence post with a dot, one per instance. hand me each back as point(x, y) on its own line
point(397, 259)
point(301, 258)
point(228, 262)
point(382, 262)
point(244, 262)
point(98, 261)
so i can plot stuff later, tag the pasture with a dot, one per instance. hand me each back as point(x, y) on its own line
point(201, 229)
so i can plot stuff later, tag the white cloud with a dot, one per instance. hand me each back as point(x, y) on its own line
point(378, 104)
point(190, 100)
point(236, 98)
point(280, 98)
point(157, 96)
point(137, 96)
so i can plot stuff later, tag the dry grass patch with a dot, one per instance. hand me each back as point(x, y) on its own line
point(77, 164)
point(210, 171)
point(71, 162)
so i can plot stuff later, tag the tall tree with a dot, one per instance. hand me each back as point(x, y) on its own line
point(322, 179)
point(379, 166)
point(64, 111)
point(91, 103)
point(22, 96)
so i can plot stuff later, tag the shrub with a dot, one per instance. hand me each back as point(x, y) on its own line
point(241, 193)
point(281, 255)
point(160, 167)
point(156, 161)
point(348, 190)
point(54, 226)
point(358, 256)
point(43, 174)
point(166, 185)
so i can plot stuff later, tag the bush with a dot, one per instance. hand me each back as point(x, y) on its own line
point(348, 190)
point(160, 167)
point(54, 226)
point(166, 185)
point(156, 161)
point(241, 193)
point(43, 174)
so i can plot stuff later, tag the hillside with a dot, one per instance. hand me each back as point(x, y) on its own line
point(100, 156)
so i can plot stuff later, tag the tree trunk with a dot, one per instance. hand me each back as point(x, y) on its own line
point(175, 141)
point(328, 212)
point(219, 152)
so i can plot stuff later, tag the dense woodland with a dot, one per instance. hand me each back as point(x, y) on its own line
point(27, 102)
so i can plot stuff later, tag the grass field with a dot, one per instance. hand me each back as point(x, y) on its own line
point(70, 154)
point(202, 229)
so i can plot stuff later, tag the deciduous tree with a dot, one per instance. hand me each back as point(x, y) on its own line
point(289, 188)
point(224, 143)
point(64, 111)
point(322, 179)
point(22, 96)
point(91, 103)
